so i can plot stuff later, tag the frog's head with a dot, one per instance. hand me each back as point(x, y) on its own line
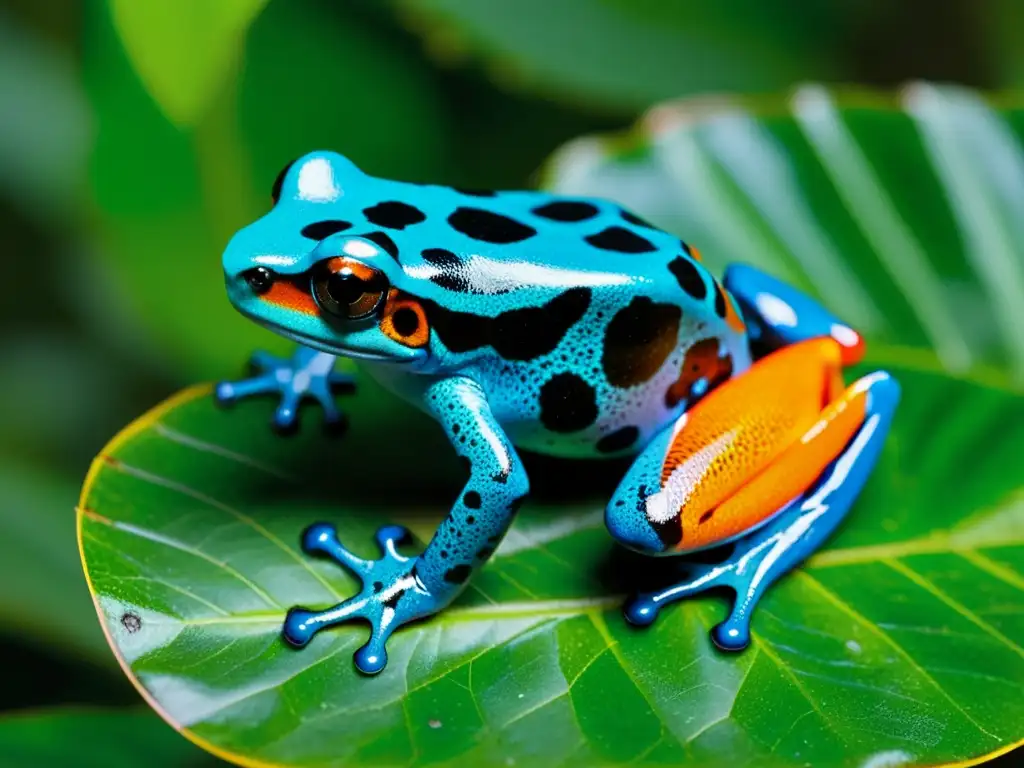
point(331, 291)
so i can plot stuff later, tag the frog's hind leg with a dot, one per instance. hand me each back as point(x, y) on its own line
point(772, 460)
point(306, 374)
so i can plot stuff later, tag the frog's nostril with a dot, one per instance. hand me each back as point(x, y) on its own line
point(259, 279)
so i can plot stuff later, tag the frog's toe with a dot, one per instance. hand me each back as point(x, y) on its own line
point(391, 595)
point(372, 657)
point(321, 539)
point(285, 420)
point(299, 627)
point(641, 611)
point(643, 608)
point(389, 537)
point(229, 392)
point(733, 634)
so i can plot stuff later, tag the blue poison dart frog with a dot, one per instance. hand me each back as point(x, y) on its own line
point(569, 327)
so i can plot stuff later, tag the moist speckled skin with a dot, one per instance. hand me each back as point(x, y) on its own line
point(517, 319)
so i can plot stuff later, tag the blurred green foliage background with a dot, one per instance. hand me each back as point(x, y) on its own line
point(137, 135)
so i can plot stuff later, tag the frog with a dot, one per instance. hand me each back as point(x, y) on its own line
point(531, 321)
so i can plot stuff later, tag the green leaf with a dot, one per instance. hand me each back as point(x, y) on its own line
point(45, 130)
point(626, 54)
point(901, 213)
point(93, 739)
point(43, 594)
point(904, 637)
point(183, 49)
point(1005, 52)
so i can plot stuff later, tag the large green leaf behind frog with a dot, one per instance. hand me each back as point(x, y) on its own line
point(569, 327)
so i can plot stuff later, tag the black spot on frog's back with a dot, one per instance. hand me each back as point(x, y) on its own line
point(394, 215)
point(458, 574)
point(320, 230)
point(489, 227)
point(528, 333)
point(518, 334)
point(632, 218)
point(621, 240)
point(566, 210)
point(567, 403)
point(688, 276)
point(638, 340)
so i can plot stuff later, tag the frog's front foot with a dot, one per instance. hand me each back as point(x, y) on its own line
point(306, 374)
point(392, 594)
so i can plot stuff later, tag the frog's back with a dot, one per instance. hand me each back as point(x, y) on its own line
point(640, 321)
point(587, 327)
point(521, 226)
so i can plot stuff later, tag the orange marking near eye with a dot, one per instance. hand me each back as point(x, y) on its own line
point(746, 426)
point(286, 293)
point(357, 268)
point(695, 254)
point(405, 330)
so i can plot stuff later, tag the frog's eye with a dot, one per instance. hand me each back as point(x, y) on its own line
point(348, 289)
point(260, 279)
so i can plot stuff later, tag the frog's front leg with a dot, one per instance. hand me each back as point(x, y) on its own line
point(398, 589)
point(772, 460)
point(306, 374)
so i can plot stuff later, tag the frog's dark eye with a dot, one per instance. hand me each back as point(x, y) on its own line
point(348, 289)
point(259, 279)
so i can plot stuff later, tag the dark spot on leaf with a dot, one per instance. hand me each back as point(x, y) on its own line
point(132, 622)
